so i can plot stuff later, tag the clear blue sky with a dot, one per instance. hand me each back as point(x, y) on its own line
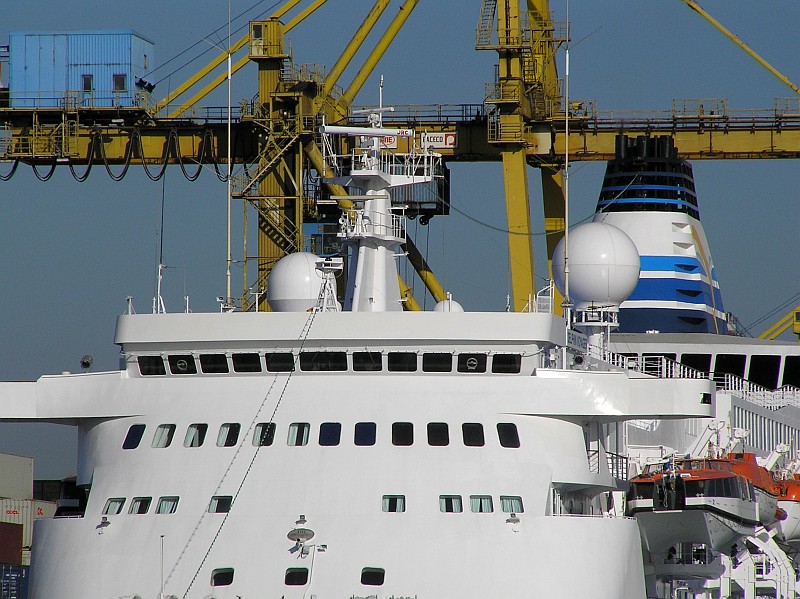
point(72, 252)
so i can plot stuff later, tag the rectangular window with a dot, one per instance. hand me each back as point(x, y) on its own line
point(367, 361)
point(134, 436)
point(437, 362)
point(473, 434)
point(506, 363)
point(296, 576)
point(402, 434)
point(298, 434)
point(394, 503)
point(280, 362)
point(182, 364)
point(228, 434)
point(511, 504)
point(373, 577)
point(220, 504)
point(323, 361)
point(246, 362)
point(167, 505)
point(330, 433)
point(264, 434)
point(195, 435)
point(114, 506)
point(120, 83)
point(222, 577)
point(365, 433)
point(472, 362)
point(508, 435)
point(214, 363)
point(163, 435)
point(438, 434)
point(481, 504)
point(151, 365)
point(402, 361)
point(88, 82)
point(450, 504)
point(764, 370)
point(701, 362)
point(791, 371)
point(140, 505)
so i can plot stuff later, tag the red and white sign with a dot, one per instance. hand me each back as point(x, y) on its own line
point(443, 140)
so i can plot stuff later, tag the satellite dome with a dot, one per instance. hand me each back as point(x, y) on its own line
point(294, 283)
point(448, 305)
point(603, 265)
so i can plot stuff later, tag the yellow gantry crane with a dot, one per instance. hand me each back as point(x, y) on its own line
point(790, 320)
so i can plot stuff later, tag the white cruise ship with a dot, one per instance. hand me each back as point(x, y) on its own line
point(327, 451)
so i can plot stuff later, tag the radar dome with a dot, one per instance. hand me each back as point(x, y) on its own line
point(448, 305)
point(603, 265)
point(294, 283)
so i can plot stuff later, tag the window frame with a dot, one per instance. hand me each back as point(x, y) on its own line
point(163, 440)
point(133, 438)
point(140, 506)
point(118, 501)
point(201, 429)
point(167, 500)
point(228, 435)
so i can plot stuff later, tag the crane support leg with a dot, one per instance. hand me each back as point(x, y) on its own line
point(520, 247)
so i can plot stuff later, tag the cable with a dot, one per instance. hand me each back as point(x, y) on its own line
point(44, 177)
point(10, 173)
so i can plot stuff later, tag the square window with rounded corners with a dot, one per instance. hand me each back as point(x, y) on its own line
point(402, 434)
point(151, 365)
point(214, 363)
point(373, 576)
point(220, 504)
point(114, 506)
point(473, 434)
point(481, 504)
point(298, 434)
point(330, 433)
point(506, 363)
point(140, 505)
point(471, 363)
point(365, 433)
point(367, 361)
point(279, 361)
point(182, 364)
point(401, 361)
point(264, 434)
point(222, 577)
point(323, 361)
point(195, 435)
point(438, 434)
point(163, 436)
point(437, 362)
point(508, 435)
point(394, 503)
point(296, 577)
point(511, 504)
point(228, 434)
point(134, 436)
point(167, 505)
point(246, 362)
point(450, 504)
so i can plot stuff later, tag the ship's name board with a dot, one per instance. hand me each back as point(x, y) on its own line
point(576, 340)
point(444, 140)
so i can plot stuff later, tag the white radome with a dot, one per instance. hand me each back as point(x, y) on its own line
point(603, 265)
point(294, 283)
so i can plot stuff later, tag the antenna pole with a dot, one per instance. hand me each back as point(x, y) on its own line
point(567, 301)
point(228, 178)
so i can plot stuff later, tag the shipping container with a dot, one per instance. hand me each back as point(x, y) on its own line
point(13, 581)
point(16, 476)
point(10, 543)
point(25, 511)
point(91, 69)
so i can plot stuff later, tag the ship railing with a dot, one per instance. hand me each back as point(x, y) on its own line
point(617, 463)
point(657, 366)
point(358, 222)
point(772, 399)
point(543, 301)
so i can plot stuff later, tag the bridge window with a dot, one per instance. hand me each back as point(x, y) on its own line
point(182, 364)
point(367, 361)
point(506, 363)
point(402, 361)
point(151, 365)
point(472, 362)
point(701, 362)
point(764, 370)
point(729, 364)
point(214, 363)
point(246, 362)
point(791, 371)
point(437, 362)
point(323, 361)
point(280, 362)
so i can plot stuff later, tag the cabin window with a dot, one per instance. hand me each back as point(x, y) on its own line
point(791, 371)
point(701, 362)
point(222, 577)
point(167, 505)
point(134, 436)
point(511, 504)
point(438, 434)
point(367, 361)
point(402, 434)
point(437, 362)
point(506, 363)
point(472, 432)
point(481, 504)
point(330, 433)
point(228, 434)
point(280, 362)
point(114, 506)
point(220, 504)
point(182, 364)
point(402, 361)
point(450, 504)
point(246, 362)
point(140, 505)
point(373, 576)
point(264, 434)
point(214, 363)
point(472, 362)
point(298, 434)
point(394, 503)
point(729, 364)
point(365, 433)
point(296, 577)
point(323, 361)
point(163, 435)
point(195, 435)
point(151, 365)
point(764, 371)
point(508, 435)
